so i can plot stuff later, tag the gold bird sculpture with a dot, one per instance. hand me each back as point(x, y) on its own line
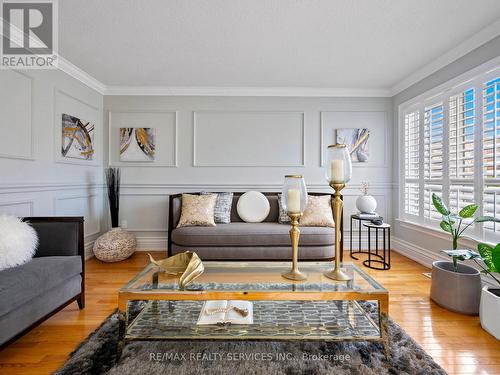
point(186, 264)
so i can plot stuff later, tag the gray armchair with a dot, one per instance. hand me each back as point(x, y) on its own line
point(54, 278)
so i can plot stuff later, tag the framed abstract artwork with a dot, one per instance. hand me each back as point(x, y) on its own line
point(357, 141)
point(77, 138)
point(137, 144)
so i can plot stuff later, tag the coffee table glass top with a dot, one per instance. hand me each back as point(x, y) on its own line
point(255, 276)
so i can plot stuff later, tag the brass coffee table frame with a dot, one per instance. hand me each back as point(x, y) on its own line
point(133, 292)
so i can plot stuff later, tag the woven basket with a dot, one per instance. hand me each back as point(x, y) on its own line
point(116, 245)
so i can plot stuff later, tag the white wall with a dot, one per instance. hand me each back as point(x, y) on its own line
point(418, 243)
point(34, 179)
point(240, 143)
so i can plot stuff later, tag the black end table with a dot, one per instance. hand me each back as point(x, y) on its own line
point(383, 256)
point(360, 219)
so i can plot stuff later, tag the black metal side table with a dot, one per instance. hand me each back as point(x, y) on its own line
point(383, 261)
point(360, 219)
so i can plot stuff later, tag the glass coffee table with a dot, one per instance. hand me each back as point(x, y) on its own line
point(315, 309)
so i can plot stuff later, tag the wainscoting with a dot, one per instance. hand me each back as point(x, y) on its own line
point(144, 208)
point(35, 180)
point(202, 143)
point(241, 144)
point(58, 200)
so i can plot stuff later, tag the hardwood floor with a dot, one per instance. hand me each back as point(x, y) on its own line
point(456, 342)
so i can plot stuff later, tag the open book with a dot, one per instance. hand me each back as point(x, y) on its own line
point(234, 312)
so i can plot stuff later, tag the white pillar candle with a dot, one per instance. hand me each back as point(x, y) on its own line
point(337, 171)
point(293, 200)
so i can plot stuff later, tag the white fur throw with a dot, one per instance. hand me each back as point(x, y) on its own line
point(18, 242)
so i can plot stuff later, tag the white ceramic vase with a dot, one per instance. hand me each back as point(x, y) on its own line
point(489, 312)
point(366, 204)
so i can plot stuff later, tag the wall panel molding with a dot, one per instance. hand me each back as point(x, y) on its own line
point(165, 189)
point(37, 187)
point(197, 162)
point(88, 198)
point(174, 145)
point(28, 108)
point(98, 144)
point(148, 219)
point(369, 164)
point(28, 204)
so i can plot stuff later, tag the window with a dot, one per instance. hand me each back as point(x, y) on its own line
point(433, 158)
point(461, 122)
point(452, 148)
point(491, 152)
point(412, 163)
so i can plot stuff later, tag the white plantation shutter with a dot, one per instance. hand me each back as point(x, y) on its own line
point(461, 136)
point(412, 163)
point(452, 149)
point(461, 120)
point(433, 158)
point(491, 129)
point(461, 196)
point(491, 207)
point(430, 211)
point(491, 152)
point(433, 146)
point(412, 198)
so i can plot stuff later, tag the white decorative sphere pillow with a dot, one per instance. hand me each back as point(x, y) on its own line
point(18, 242)
point(253, 207)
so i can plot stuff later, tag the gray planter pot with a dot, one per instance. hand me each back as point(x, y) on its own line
point(456, 291)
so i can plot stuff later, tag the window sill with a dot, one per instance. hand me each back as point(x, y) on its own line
point(465, 241)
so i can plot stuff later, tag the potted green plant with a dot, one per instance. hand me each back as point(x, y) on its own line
point(457, 286)
point(490, 296)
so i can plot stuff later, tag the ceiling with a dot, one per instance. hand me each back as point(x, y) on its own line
point(368, 44)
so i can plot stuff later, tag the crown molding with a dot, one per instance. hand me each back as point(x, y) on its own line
point(485, 35)
point(475, 41)
point(80, 75)
point(247, 91)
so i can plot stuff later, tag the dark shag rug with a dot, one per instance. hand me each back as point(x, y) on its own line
point(98, 355)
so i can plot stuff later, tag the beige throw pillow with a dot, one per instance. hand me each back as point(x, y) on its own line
point(318, 212)
point(197, 210)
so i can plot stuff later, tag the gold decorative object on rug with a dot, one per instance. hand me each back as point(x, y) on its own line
point(294, 201)
point(338, 174)
point(186, 264)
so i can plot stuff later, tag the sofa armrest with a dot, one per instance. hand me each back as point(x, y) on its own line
point(58, 236)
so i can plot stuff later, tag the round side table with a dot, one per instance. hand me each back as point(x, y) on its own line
point(383, 255)
point(360, 219)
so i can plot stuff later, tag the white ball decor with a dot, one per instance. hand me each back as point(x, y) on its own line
point(253, 207)
point(366, 204)
point(18, 242)
point(116, 245)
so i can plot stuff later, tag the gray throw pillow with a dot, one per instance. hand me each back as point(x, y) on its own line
point(222, 211)
point(283, 217)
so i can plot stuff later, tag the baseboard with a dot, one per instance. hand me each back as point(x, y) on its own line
point(152, 243)
point(89, 252)
point(415, 252)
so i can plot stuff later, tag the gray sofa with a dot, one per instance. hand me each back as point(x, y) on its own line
point(34, 291)
point(238, 240)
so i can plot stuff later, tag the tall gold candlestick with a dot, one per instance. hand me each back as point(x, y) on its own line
point(337, 204)
point(294, 273)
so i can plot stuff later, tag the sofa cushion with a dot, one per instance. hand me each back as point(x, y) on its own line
point(318, 212)
point(251, 234)
point(20, 284)
point(253, 253)
point(222, 210)
point(197, 210)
